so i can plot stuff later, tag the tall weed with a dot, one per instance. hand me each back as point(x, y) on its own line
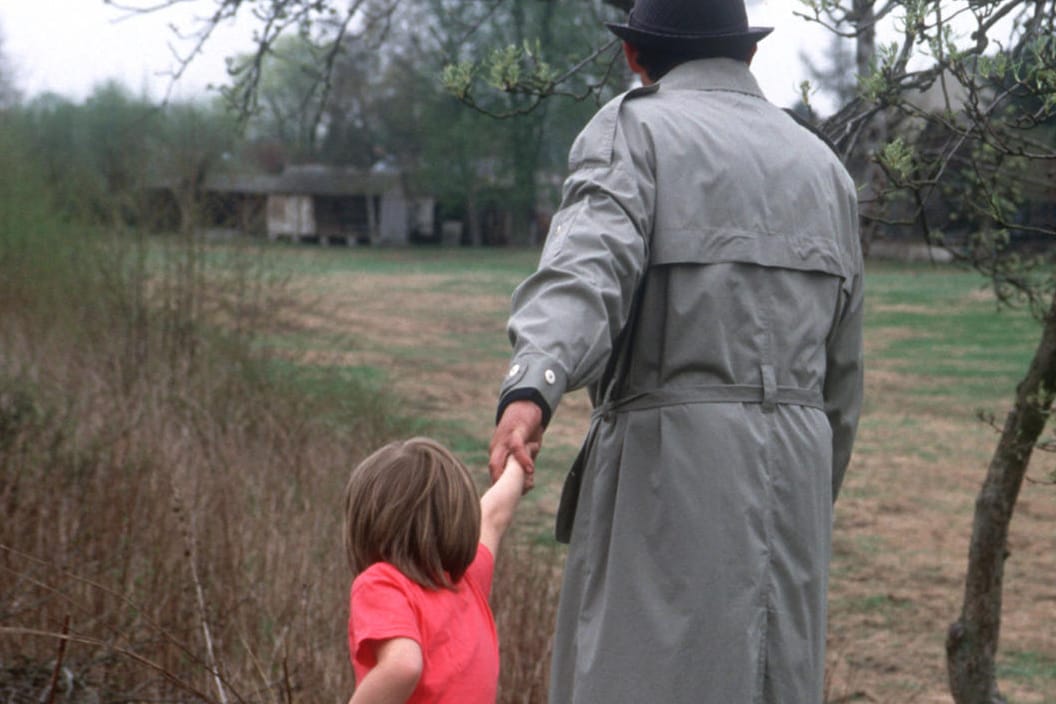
point(170, 501)
point(170, 506)
point(524, 598)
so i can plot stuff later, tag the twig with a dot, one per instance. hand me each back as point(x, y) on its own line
point(1039, 482)
point(287, 689)
point(168, 637)
point(192, 555)
point(207, 634)
point(539, 95)
point(58, 661)
point(86, 640)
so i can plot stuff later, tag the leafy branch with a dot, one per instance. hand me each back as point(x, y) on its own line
point(520, 70)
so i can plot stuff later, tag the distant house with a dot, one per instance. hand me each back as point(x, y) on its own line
point(318, 202)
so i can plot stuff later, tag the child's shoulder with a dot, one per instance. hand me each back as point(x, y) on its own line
point(481, 569)
point(484, 555)
point(381, 574)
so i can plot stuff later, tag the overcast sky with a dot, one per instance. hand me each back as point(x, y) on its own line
point(68, 46)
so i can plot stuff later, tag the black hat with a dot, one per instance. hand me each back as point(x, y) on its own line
point(687, 24)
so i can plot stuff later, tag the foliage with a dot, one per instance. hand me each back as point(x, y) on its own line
point(290, 94)
point(92, 154)
point(966, 94)
point(364, 84)
point(159, 480)
point(30, 229)
point(96, 157)
point(167, 485)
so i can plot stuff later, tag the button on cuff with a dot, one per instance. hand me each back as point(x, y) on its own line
point(537, 372)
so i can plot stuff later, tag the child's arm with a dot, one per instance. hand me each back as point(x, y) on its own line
point(498, 504)
point(393, 679)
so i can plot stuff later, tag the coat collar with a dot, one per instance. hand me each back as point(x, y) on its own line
point(712, 74)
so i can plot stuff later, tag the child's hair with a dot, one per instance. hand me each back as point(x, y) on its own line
point(414, 505)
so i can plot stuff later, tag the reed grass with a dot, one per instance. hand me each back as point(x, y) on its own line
point(170, 505)
point(170, 494)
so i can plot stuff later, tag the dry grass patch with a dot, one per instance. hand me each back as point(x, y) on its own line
point(901, 543)
point(902, 523)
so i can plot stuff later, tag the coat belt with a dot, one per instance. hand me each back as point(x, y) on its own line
point(768, 395)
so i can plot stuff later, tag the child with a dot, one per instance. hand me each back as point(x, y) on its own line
point(422, 549)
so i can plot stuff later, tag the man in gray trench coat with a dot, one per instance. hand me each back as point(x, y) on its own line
point(703, 277)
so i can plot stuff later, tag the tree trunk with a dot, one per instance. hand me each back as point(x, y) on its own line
point(864, 167)
point(476, 235)
point(971, 642)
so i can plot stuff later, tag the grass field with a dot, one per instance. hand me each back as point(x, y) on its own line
point(175, 439)
point(428, 325)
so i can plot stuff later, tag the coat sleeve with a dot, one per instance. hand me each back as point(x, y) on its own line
point(844, 371)
point(566, 316)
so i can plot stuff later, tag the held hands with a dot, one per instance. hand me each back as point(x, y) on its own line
point(519, 434)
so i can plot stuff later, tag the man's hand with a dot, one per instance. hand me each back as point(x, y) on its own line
point(520, 434)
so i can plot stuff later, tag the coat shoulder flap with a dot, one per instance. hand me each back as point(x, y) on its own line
point(594, 145)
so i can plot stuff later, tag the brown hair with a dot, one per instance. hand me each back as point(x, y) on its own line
point(658, 60)
point(414, 505)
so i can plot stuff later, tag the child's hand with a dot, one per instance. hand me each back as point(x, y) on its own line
point(529, 477)
point(499, 502)
point(517, 475)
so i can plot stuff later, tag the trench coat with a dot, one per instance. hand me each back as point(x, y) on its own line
point(703, 277)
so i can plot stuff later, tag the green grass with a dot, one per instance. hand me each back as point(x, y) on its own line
point(1035, 669)
point(935, 323)
point(934, 327)
point(483, 265)
point(929, 324)
point(940, 325)
point(332, 380)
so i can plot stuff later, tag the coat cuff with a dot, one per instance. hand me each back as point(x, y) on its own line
point(533, 378)
point(524, 395)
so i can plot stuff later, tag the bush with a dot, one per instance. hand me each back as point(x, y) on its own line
point(171, 496)
point(524, 599)
point(171, 502)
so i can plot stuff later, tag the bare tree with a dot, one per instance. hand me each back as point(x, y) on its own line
point(970, 90)
point(328, 25)
point(332, 27)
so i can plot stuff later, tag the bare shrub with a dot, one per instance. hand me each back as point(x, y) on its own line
point(168, 494)
point(524, 598)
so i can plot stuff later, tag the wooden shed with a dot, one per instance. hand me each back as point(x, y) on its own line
point(325, 203)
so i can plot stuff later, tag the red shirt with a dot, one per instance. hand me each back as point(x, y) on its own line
point(455, 629)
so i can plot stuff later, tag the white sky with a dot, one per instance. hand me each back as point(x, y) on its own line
point(68, 46)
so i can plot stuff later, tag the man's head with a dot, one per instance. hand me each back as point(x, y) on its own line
point(661, 34)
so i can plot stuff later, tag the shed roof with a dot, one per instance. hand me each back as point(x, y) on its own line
point(308, 179)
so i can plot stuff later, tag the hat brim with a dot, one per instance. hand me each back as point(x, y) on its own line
point(645, 38)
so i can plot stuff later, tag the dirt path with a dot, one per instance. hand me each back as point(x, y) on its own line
point(903, 520)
